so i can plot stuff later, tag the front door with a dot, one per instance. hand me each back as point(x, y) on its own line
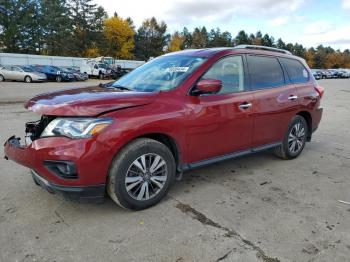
point(221, 123)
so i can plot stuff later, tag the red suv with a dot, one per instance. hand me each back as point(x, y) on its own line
point(183, 110)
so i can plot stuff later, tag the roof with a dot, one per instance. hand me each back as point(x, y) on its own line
point(207, 52)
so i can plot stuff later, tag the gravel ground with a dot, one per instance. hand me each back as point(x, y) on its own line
point(256, 208)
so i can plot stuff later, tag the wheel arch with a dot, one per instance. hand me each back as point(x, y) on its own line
point(168, 141)
point(308, 118)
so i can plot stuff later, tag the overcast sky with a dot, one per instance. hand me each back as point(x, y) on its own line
point(309, 22)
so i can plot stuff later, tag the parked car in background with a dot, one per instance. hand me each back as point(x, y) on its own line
point(343, 73)
point(334, 72)
point(21, 73)
point(54, 73)
point(325, 74)
point(77, 74)
point(316, 73)
point(180, 111)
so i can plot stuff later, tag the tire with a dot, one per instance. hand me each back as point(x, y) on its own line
point(100, 76)
point(2, 78)
point(128, 185)
point(58, 79)
point(28, 79)
point(296, 135)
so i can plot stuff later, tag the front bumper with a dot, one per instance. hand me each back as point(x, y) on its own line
point(90, 194)
point(91, 158)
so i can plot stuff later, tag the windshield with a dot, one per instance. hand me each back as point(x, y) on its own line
point(103, 66)
point(163, 73)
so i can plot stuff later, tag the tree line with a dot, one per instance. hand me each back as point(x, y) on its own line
point(82, 28)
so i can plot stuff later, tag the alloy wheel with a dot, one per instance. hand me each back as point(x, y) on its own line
point(146, 177)
point(296, 138)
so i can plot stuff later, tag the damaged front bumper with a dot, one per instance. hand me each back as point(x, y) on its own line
point(34, 156)
point(94, 194)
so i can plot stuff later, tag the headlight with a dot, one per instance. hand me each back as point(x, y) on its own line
point(75, 127)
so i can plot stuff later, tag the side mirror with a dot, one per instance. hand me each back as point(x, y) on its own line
point(207, 86)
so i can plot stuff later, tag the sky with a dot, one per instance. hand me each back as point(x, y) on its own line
point(308, 22)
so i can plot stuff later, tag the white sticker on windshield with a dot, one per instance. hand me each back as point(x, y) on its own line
point(176, 69)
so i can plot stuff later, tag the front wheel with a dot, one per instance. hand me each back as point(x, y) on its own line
point(28, 79)
point(294, 139)
point(58, 79)
point(2, 78)
point(141, 174)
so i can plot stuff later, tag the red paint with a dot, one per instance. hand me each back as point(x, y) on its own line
point(201, 126)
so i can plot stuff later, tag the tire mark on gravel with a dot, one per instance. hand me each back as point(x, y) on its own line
point(195, 214)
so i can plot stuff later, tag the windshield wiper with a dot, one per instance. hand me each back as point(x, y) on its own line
point(122, 87)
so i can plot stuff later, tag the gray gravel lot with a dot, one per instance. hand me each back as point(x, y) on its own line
point(256, 208)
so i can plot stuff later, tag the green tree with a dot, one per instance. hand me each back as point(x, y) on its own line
point(243, 39)
point(56, 34)
point(18, 20)
point(200, 37)
point(217, 39)
point(280, 44)
point(87, 19)
point(187, 38)
point(151, 39)
point(266, 40)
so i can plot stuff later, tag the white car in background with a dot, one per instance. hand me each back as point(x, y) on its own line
point(21, 73)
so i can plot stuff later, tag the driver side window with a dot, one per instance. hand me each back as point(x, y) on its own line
point(229, 71)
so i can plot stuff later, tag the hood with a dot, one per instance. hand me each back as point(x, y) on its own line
point(88, 101)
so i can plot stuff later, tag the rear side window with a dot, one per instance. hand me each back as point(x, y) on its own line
point(296, 71)
point(265, 72)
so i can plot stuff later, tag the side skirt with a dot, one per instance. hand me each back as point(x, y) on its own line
point(229, 156)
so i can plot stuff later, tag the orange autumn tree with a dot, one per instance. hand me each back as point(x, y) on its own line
point(176, 42)
point(120, 37)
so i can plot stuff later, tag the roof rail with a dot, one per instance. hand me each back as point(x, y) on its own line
point(260, 47)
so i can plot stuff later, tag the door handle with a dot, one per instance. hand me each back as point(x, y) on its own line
point(292, 97)
point(245, 105)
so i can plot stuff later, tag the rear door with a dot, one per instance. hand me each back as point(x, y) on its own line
point(275, 100)
point(7, 73)
point(221, 123)
point(17, 73)
point(302, 81)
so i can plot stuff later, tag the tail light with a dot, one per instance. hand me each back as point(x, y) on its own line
point(320, 90)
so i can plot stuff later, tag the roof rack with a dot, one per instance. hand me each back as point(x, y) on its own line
point(260, 47)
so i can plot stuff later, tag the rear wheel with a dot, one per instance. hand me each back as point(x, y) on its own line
point(2, 78)
point(141, 174)
point(100, 76)
point(294, 139)
point(28, 79)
